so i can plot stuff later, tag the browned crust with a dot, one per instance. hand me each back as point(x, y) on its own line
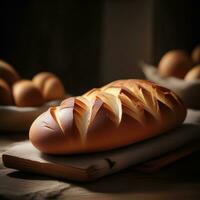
point(118, 114)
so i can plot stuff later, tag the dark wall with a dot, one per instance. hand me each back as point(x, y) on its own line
point(127, 38)
point(59, 36)
point(88, 43)
point(176, 26)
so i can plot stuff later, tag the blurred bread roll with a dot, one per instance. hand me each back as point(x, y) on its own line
point(53, 89)
point(50, 86)
point(5, 93)
point(40, 79)
point(193, 74)
point(27, 94)
point(174, 63)
point(196, 55)
point(8, 73)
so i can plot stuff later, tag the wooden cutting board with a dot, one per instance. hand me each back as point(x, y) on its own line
point(87, 167)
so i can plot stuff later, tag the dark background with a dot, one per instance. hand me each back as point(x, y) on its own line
point(89, 43)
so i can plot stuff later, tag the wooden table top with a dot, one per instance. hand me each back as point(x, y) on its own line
point(180, 180)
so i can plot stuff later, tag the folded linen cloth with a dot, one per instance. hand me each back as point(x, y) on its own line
point(87, 167)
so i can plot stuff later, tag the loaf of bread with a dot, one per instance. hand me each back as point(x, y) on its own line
point(50, 86)
point(119, 114)
point(8, 73)
point(26, 94)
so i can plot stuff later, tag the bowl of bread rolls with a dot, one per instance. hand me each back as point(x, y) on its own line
point(180, 72)
point(22, 100)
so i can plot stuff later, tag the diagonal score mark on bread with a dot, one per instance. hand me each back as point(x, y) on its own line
point(54, 114)
point(82, 114)
point(133, 110)
point(141, 99)
point(149, 94)
point(158, 93)
point(111, 103)
point(118, 97)
point(56, 111)
point(132, 106)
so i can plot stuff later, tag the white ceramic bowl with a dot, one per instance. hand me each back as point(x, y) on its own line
point(13, 118)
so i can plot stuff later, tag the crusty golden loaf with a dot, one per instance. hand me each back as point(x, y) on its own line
point(118, 114)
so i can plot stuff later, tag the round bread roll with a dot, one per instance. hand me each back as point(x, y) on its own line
point(50, 86)
point(5, 93)
point(53, 89)
point(196, 55)
point(175, 63)
point(116, 115)
point(8, 73)
point(40, 79)
point(193, 74)
point(27, 94)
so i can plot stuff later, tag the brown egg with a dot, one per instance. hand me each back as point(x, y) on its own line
point(27, 94)
point(5, 93)
point(50, 86)
point(196, 55)
point(8, 73)
point(193, 74)
point(175, 63)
